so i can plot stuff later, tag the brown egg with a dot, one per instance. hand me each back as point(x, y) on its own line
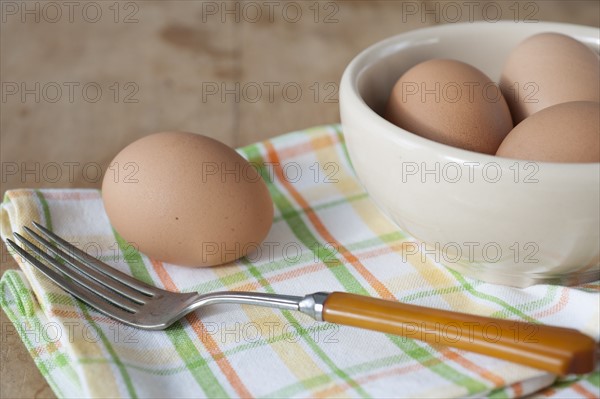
point(187, 199)
point(452, 103)
point(548, 69)
point(567, 132)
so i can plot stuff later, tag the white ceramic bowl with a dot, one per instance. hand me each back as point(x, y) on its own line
point(534, 222)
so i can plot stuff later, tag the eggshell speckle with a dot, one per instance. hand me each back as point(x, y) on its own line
point(452, 103)
point(568, 132)
point(187, 199)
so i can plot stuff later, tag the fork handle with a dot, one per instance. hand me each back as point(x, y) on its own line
point(555, 349)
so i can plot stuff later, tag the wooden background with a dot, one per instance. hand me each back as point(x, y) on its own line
point(78, 88)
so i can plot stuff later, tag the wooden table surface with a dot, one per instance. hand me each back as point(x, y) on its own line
point(80, 85)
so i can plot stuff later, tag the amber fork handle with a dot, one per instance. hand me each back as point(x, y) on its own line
point(555, 349)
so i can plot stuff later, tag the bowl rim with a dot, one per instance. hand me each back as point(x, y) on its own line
point(350, 96)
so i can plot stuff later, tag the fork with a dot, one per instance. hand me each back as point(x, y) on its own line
point(554, 349)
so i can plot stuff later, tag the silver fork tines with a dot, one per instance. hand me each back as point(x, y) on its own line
point(94, 263)
point(127, 299)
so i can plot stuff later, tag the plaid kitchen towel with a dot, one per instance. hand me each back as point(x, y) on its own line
point(327, 235)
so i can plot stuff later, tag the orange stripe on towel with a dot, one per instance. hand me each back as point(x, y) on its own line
point(204, 336)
